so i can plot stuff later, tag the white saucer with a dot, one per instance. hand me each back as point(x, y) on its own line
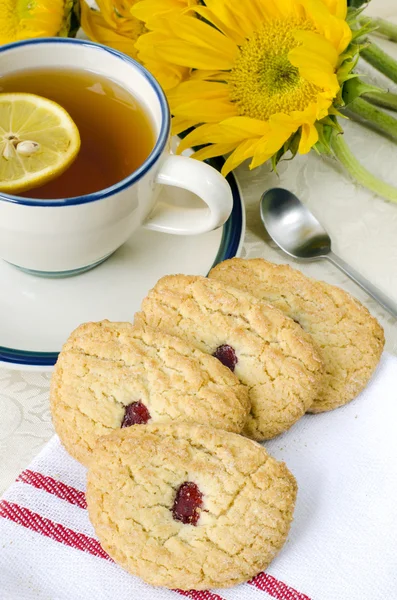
point(37, 314)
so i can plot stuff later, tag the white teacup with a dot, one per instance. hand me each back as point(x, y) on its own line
point(65, 236)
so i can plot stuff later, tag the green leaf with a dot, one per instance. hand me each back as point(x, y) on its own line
point(354, 88)
point(347, 62)
point(291, 145)
point(354, 11)
point(345, 72)
point(277, 157)
point(357, 3)
point(333, 123)
point(325, 133)
point(71, 22)
point(294, 141)
point(360, 29)
point(332, 111)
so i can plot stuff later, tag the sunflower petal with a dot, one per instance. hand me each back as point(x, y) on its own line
point(306, 60)
point(318, 45)
point(169, 76)
point(145, 9)
point(261, 156)
point(208, 75)
point(107, 11)
point(214, 134)
point(222, 13)
point(338, 8)
point(197, 89)
point(274, 9)
point(98, 30)
point(281, 127)
point(241, 128)
point(243, 151)
point(147, 44)
point(309, 137)
point(334, 30)
point(179, 125)
point(241, 18)
point(205, 111)
point(315, 67)
point(314, 112)
point(119, 18)
point(204, 134)
point(319, 77)
point(189, 55)
point(114, 10)
point(195, 32)
point(231, 131)
point(213, 150)
point(324, 103)
point(211, 17)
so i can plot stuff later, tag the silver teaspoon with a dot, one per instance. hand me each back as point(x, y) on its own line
point(297, 232)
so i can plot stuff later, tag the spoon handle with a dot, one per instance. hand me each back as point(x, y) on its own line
point(368, 287)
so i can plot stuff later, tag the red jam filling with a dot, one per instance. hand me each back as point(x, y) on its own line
point(135, 414)
point(187, 504)
point(227, 356)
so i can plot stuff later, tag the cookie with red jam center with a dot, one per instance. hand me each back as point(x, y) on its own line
point(188, 506)
point(350, 340)
point(114, 375)
point(269, 353)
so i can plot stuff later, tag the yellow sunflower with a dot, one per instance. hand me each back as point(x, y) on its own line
point(112, 25)
point(264, 72)
point(23, 19)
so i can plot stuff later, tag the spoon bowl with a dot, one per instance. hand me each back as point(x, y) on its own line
point(292, 226)
point(297, 232)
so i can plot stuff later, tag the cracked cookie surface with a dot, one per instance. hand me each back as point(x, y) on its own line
point(349, 338)
point(246, 503)
point(268, 352)
point(112, 375)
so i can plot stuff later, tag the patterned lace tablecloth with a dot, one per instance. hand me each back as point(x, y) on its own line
point(363, 229)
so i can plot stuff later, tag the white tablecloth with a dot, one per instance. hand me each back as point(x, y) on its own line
point(364, 233)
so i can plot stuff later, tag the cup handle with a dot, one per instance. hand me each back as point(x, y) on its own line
point(204, 181)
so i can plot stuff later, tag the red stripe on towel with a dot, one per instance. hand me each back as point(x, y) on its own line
point(54, 487)
point(23, 516)
point(31, 520)
point(27, 518)
point(275, 588)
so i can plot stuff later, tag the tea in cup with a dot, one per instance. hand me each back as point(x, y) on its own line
point(78, 219)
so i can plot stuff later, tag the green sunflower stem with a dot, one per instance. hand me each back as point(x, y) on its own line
point(374, 116)
point(379, 59)
point(383, 99)
point(383, 27)
point(358, 172)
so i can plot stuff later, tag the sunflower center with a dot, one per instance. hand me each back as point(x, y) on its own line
point(20, 19)
point(279, 76)
point(263, 82)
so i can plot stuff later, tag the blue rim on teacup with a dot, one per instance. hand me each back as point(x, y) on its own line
point(66, 236)
point(136, 175)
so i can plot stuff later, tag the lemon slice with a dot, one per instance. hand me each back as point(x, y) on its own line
point(38, 141)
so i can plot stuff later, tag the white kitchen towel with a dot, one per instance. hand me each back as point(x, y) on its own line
point(342, 544)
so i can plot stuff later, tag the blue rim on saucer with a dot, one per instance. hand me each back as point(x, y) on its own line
point(233, 231)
